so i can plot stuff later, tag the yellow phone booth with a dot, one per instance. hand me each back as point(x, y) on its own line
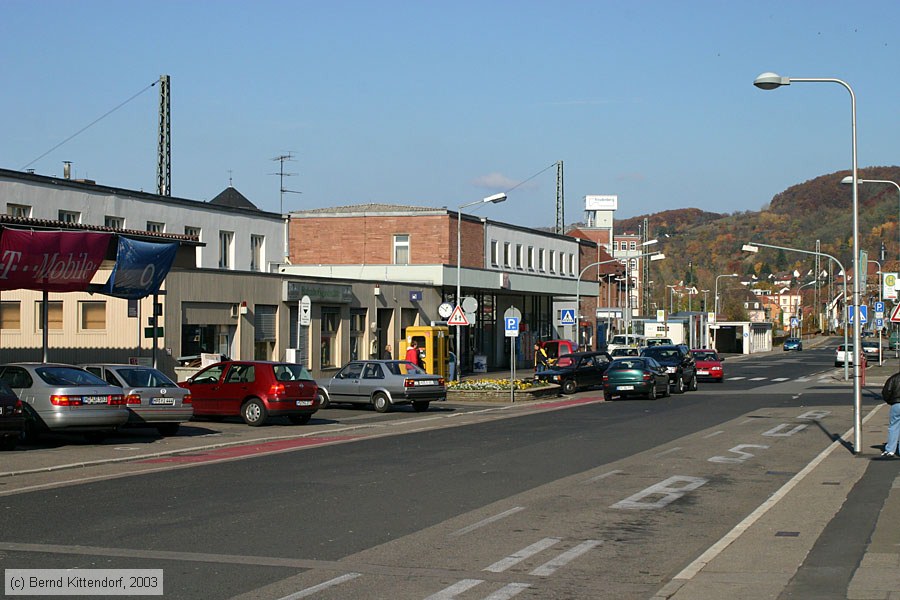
point(433, 342)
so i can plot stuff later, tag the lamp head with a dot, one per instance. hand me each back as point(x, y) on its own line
point(770, 81)
point(496, 198)
point(657, 256)
point(750, 248)
point(848, 180)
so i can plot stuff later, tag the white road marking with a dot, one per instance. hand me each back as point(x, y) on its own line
point(669, 451)
point(508, 591)
point(803, 379)
point(604, 476)
point(736, 378)
point(487, 521)
point(661, 494)
point(523, 554)
point(322, 586)
point(713, 434)
point(565, 558)
point(781, 379)
point(758, 378)
point(457, 588)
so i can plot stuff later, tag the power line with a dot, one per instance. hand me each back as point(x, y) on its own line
point(92, 123)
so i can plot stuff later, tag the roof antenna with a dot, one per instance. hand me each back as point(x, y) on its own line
point(281, 174)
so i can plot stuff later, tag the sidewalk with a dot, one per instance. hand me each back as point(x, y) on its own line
point(830, 532)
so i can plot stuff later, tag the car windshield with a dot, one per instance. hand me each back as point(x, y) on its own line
point(401, 367)
point(663, 353)
point(627, 363)
point(143, 377)
point(705, 356)
point(68, 376)
point(291, 372)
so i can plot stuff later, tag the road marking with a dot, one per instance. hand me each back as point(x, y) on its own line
point(713, 434)
point(565, 558)
point(663, 492)
point(604, 476)
point(487, 521)
point(523, 554)
point(736, 378)
point(231, 452)
point(803, 379)
point(322, 586)
point(669, 451)
point(457, 588)
point(781, 379)
point(758, 378)
point(778, 431)
point(508, 591)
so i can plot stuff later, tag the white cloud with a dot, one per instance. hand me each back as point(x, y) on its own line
point(500, 182)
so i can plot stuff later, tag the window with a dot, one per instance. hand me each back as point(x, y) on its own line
point(156, 227)
point(541, 255)
point(553, 261)
point(330, 325)
point(257, 248)
point(18, 210)
point(519, 259)
point(633, 264)
point(226, 249)
point(531, 258)
point(357, 331)
point(495, 253)
point(632, 246)
point(69, 216)
point(10, 315)
point(562, 263)
point(92, 315)
point(194, 232)
point(507, 254)
point(114, 222)
point(571, 264)
point(401, 249)
point(54, 315)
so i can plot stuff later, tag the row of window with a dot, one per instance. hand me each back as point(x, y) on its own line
point(624, 245)
point(534, 259)
point(91, 315)
point(226, 238)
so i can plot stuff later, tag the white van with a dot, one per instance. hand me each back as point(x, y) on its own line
point(625, 340)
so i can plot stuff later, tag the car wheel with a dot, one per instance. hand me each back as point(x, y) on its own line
point(254, 412)
point(693, 387)
point(420, 406)
point(323, 400)
point(8, 442)
point(300, 419)
point(679, 385)
point(166, 429)
point(30, 434)
point(607, 397)
point(651, 395)
point(568, 386)
point(667, 392)
point(381, 403)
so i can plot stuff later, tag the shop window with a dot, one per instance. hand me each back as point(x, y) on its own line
point(54, 315)
point(92, 315)
point(331, 320)
point(11, 315)
point(357, 335)
point(401, 249)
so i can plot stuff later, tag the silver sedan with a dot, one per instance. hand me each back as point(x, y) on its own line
point(152, 398)
point(383, 384)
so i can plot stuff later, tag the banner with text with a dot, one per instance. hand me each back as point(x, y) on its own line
point(56, 261)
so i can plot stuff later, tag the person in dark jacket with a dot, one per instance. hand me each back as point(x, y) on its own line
point(891, 394)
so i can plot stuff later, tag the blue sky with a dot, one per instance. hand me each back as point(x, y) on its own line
point(442, 103)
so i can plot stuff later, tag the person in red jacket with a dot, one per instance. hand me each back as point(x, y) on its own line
point(412, 353)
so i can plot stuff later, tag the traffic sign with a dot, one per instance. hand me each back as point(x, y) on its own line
point(511, 325)
point(879, 323)
point(568, 317)
point(794, 322)
point(305, 309)
point(895, 314)
point(879, 307)
point(863, 314)
point(458, 317)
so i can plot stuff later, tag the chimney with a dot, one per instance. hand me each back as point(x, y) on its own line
point(67, 169)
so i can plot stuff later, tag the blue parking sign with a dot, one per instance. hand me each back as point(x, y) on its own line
point(511, 324)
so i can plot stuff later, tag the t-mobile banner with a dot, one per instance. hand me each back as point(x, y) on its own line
point(56, 261)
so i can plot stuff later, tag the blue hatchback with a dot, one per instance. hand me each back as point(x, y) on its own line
point(793, 344)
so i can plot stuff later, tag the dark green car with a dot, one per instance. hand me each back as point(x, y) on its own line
point(635, 376)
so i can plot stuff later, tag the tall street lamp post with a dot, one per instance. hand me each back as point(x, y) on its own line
point(770, 81)
point(849, 180)
point(495, 199)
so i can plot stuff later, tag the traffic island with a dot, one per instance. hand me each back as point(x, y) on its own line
point(497, 390)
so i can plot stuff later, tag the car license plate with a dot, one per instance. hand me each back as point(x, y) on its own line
point(162, 401)
point(426, 382)
point(625, 387)
point(304, 402)
point(702, 372)
point(94, 399)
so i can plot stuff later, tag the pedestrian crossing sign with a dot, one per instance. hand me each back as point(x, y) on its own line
point(568, 317)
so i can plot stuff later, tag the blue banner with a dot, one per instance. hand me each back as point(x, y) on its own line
point(140, 268)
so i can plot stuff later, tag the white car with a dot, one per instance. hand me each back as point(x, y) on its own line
point(839, 355)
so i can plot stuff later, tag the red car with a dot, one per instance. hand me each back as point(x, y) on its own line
point(709, 365)
point(255, 391)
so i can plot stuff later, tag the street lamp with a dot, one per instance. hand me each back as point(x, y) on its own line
point(671, 297)
point(754, 247)
point(495, 199)
point(848, 180)
point(770, 81)
point(654, 256)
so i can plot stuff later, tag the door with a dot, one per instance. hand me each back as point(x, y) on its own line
point(239, 383)
point(205, 388)
point(344, 386)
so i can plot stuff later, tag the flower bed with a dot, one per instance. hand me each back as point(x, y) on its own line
point(497, 390)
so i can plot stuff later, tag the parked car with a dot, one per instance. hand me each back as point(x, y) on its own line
point(678, 364)
point(383, 384)
point(557, 348)
point(151, 397)
point(839, 355)
point(625, 340)
point(635, 376)
point(254, 390)
point(12, 418)
point(63, 398)
point(578, 370)
point(792, 343)
point(709, 364)
point(871, 348)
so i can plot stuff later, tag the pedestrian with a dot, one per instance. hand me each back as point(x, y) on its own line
point(541, 360)
point(388, 352)
point(412, 353)
point(890, 393)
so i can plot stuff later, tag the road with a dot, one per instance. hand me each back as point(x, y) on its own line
point(579, 499)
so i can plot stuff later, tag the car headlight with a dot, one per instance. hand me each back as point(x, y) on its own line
point(671, 369)
point(555, 378)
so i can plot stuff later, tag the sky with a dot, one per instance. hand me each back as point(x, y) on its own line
point(440, 104)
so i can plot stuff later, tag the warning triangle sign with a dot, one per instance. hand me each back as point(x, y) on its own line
point(458, 317)
point(895, 314)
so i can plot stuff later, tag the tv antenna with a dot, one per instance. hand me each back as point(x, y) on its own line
point(281, 175)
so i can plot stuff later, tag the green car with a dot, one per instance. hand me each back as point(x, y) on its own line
point(635, 376)
point(894, 340)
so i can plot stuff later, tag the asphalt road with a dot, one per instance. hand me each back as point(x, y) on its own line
point(589, 500)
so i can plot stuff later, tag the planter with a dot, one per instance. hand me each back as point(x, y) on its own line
point(540, 393)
